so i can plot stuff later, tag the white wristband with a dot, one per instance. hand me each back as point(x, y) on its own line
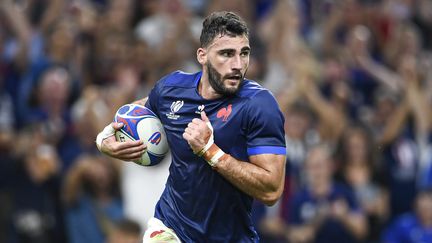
point(108, 131)
point(215, 159)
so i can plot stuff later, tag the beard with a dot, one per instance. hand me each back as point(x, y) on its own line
point(217, 81)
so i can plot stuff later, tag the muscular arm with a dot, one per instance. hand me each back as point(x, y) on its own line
point(262, 178)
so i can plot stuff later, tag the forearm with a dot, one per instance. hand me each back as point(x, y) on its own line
point(141, 101)
point(419, 107)
point(382, 74)
point(52, 14)
point(20, 26)
point(327, 113)
point(72, 186)
point(251, 179)
point(394, 124)
point(287, 97)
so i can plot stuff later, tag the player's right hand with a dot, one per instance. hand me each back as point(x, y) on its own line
point(127, 151)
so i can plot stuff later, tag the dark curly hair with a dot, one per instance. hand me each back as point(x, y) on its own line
point(223, 23)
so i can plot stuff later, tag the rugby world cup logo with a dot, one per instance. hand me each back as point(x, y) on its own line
point(175, 107)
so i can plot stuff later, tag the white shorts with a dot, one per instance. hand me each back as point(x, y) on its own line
point(157, 232)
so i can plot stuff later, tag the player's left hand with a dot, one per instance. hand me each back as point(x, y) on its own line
point(198, 132)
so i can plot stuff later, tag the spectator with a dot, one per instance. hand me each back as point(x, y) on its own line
point(125, 231)
point(324, 211)
point(175, 45)
point(31, 179)
point(331, 64)
point(359, 169)
point(92, 194)
point(399, 137)
point(415, 226)
point(50, 106)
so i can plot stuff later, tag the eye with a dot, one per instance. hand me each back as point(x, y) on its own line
point(245, 53)
point(226, 53)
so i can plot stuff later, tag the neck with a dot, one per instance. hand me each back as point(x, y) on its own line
point(205, 89)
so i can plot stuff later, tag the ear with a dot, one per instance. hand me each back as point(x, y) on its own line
point(202, 56)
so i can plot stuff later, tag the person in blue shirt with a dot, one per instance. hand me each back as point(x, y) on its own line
point(226, 138)
point(324, 210)
point(415, 226)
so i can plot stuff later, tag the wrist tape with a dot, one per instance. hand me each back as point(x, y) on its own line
point(108, 131)
point(211, 152)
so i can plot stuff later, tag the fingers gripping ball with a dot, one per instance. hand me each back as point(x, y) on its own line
point(140, 123)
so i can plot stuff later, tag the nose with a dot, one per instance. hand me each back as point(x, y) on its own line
point(236, 63)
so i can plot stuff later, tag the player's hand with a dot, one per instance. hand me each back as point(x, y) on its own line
point(198, 132)
point(127, 151)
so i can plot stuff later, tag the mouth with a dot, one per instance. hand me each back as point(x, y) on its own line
point(234, 78)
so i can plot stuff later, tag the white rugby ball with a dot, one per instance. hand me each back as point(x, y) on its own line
point(140, 123)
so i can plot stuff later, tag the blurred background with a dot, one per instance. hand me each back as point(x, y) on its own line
point(353, 78)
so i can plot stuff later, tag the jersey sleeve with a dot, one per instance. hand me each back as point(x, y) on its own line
point(153, 97)
point(265, 126)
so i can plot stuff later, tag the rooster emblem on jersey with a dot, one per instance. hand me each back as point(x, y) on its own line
point(224, 113)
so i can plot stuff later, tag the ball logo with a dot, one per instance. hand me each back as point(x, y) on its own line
point(155, 138)
point(127, 126)
point(140, 112)
point(123, 110)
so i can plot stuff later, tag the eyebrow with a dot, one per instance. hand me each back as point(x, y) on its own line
point(246, 48)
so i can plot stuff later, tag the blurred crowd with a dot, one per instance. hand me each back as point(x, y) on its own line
point(353, 78)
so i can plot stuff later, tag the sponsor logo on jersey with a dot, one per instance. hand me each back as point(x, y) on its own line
point(175, 107)
point(224, 113)
point(200, 109)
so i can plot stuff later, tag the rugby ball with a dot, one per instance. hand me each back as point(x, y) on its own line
point(140, 123)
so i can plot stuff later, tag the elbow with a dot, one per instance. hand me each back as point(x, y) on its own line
point(270, 198)
point(273, 193)
point(269, 202)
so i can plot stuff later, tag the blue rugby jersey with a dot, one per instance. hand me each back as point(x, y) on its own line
point(198, 203)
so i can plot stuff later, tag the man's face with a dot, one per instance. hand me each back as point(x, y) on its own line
point(318, 166)
point(227, 60)
point(424, 208)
